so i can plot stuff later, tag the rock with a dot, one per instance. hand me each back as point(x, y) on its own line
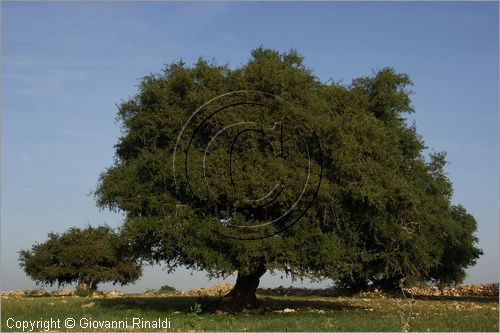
point(490, 289)
point(88, 305)
point(152, 292)
point(40, 292)
point(13, 293)
point(63, 292)
point(215, 290)
point(18, 293)
point(115, 293)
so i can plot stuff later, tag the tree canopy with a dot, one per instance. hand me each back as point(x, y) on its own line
point(265, 167)
point(89, 256)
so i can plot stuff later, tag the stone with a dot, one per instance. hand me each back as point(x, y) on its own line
point(88, 305)
point(115, 293)
point(63, 292)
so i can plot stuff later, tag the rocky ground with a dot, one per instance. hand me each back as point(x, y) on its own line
point(57, 293)
point(223, 288)
point(215, 290)
point(490, 289)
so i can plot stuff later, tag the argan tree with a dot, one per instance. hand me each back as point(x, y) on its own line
point(87, 256)
point(265, 167)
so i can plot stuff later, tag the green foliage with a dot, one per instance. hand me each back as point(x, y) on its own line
point(83, 292)
point(194, 312)
point(382, 214)
point(195, 309)
point(459, 249)
point(168, 289)
point(88, 256)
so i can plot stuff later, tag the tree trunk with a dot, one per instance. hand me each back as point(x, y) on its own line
point(242, 296)
point(86, 284)
point(83, 286)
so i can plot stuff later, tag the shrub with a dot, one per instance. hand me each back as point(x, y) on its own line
point(167, 289)
point(84, 292)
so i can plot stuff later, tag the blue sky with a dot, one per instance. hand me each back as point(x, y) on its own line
point(66, 65)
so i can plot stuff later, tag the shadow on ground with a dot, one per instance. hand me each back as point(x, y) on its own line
point(212, 304)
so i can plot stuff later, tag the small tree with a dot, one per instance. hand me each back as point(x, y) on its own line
point(88, 256)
